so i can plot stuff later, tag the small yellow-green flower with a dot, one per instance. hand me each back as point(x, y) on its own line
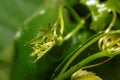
point(43, 43)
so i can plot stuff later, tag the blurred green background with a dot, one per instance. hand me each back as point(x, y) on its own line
point(13, 13)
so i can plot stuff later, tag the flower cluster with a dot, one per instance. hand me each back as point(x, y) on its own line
point(43, 43)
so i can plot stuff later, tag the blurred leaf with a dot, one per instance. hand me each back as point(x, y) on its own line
point(5, 37)
point(6, 59)
point(113, 5)
point(12, 15)
point(117, 24)
point(100, 15)
point(102, 21)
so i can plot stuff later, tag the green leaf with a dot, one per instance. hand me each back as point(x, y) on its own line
point(100, 14)
point(113, 5)
point(102, 21)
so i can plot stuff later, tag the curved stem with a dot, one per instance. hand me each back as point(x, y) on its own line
point(60, 15)
point(84, 46)
point(60, 21)
point(79, 21)
point(86, 61)
point(80, 25)
point(76, 17)
point(69, 35)
point(74, 14)
point(102, 41)
point(112, 22)
point(100, 63)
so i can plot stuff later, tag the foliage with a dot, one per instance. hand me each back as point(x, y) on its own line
point(66, 35)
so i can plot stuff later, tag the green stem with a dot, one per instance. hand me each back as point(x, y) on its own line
point(72, 33)
point(82, 63)
point(87, 44)
point(74, 14)
point(76, 17)
point(60, 19)
point(86, 61)
point(103, 39)
point(60, 15)
point(115, 42)
point(80, 25)
point(112, 22)
point(79, 21)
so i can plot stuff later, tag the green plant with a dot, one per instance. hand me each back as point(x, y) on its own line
point(64, 41)
point(108, 42)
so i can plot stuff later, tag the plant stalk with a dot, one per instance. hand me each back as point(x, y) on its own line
point(86, 61)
